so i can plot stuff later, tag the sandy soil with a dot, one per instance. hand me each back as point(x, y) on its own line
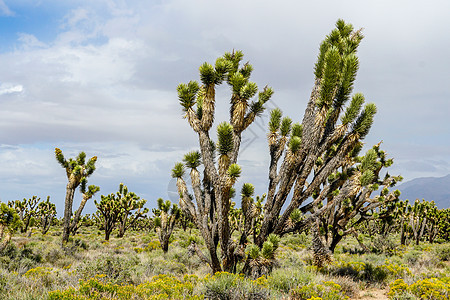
point(372, 293)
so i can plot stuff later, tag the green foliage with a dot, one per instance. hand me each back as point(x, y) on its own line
point(9, 219)
point(247, 190)
point(364, 122)
point(160, 287)
point(294, 144)
point(192, 160)
point(285, 126)
point(327, 290)
point(187, 94)
point(252, 251)
point(234, 171)
point(275, 119)
point(178, 170)
point(225, 285)
point(297, 130)
point(225, 138)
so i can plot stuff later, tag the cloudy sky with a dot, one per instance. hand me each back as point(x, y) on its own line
point(101, 76)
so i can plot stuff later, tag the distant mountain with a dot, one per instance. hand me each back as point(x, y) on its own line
point(435, 189)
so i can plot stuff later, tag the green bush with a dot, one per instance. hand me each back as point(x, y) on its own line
point(327, 290)
point(284, 280)
point(229, 286)
point(442, 252)
point(116, 269)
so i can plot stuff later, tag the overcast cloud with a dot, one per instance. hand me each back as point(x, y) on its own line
point(100, 76)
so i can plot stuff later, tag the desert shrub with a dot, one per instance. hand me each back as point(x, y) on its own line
point(42, 275)
point(229, 286)
point(442, 252)
point(359, 271)
point(296, 241)
point(160, 287)
point(327, 290)
point(348, 285)
point(411, 257)
point(398, 290)
point(429, 288)
point(116, 269)
point(156, 263)
point(284, 280)
point(384, 244)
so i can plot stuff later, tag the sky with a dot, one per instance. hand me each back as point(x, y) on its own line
point(101, 76)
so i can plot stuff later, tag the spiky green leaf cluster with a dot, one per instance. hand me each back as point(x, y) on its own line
point(252, 251)
point(187, 94)
point(294, 144)
point(297, 130)
point(337, 65)
point(275, 119)
point(225, 138)
point(247, 190)
point(192, 159)
point(296, 215)
point(364, 122)
point(178, 170)
point(234, 171)
point(353, 109)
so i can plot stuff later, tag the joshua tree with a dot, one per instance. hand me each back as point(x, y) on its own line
point(348, 195)
point(165, 219)
point(109, 211)
point(313, 150)
point(212, 194)
point(9, 223)
point(121, 209)
point(77, 171)
point(418, 219)
point(26, 210)
point(46, 211)
point(131, 209)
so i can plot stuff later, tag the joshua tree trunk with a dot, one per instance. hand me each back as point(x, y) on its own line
point(70, 191)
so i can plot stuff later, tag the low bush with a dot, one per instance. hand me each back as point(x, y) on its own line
point(116, 269)
point(429, 288)
point(327, 290)
point(160, 287)
point(229, 286)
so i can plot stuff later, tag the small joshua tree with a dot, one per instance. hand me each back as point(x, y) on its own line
point(77, 171)
point(131, 209)
point(46, 211)
point(418, 219)
point(121, 209)
point(26, 210)
point(109, 212)
point(348, 194)
point(9, 223)
point(165, 219)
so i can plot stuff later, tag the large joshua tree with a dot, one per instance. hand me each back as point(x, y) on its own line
point(77, 171)
point(302, 155)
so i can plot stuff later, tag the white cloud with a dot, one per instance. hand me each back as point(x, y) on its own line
point(4, 9)
point(9, 88)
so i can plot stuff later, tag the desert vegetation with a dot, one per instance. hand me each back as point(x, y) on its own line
point(329, 226)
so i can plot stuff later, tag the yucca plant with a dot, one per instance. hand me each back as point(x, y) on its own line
point(26, 210)
point(9, 223)
point(46, 211)
point(348, 195)
point(77, 170)
point(302, 155)
point(166, 216)
point(209, 206)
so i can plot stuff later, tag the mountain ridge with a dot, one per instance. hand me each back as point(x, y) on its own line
point(435, 189)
